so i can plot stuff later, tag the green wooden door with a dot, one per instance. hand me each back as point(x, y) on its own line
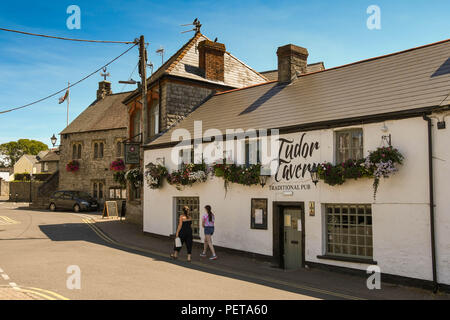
point(293, 246)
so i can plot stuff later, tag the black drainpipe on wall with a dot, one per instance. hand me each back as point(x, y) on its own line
point(431, 188)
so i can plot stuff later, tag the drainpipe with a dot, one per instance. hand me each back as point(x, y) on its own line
point(431, 189)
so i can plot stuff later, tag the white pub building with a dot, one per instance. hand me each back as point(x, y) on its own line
point(318, 206)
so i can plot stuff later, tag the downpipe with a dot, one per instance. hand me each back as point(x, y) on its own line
point(431, 190)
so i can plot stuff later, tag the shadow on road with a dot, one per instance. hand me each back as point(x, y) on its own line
point(82, 232)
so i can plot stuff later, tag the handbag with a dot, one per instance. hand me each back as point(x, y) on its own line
point(178, 242)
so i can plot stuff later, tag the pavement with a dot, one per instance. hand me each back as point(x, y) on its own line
point(119, 261)
point(316, 282)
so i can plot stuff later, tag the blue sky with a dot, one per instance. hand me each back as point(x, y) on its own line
point(333, 31)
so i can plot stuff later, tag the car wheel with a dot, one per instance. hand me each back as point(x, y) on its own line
point(52, 207)
point(76, 208)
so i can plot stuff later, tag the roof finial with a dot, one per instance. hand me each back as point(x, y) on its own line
point(104, 74)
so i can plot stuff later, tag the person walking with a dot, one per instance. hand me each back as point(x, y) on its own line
point(184, 232)
point(208, 225)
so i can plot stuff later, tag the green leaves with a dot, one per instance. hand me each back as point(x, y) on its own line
point(379, 163)
point(13, 150)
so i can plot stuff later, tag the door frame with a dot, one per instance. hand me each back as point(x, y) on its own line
point(278, 229)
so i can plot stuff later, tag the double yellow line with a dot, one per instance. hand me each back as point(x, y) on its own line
point(46, 294)
point(7, 220)
point(91, 223)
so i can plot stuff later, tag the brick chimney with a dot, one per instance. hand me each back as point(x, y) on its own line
point(211, 59)
point(292, 60)
point(104, 89)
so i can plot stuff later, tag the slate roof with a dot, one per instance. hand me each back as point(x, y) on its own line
point(30, 158)
point(50, 156)
point(412, 79)
point(105, 114)
point(184, 63)
point(272, 75)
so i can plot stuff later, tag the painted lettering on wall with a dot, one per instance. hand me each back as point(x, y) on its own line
point(294, 158)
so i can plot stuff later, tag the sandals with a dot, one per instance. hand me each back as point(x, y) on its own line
point(173, 256)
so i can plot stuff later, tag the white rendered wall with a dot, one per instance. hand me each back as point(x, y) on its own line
point(401, 228)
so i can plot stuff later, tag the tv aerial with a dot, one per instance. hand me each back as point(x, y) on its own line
point(160, 51)
point(196, 23)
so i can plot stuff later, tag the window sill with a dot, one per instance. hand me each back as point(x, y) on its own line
point(135, 202)
point(347, 259)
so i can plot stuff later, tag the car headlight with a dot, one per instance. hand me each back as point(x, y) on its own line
point(84, 203)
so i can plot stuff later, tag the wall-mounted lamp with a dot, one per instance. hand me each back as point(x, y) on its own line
point(387, 139)
point(53, 139)
point(161, 161)
point(264, 174)
point(314, 175)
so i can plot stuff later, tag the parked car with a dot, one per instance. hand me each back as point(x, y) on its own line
point(72, 200)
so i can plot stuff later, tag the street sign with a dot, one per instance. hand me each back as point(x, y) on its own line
point(132, 153)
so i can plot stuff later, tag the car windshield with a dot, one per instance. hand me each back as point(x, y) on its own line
point(82, 195)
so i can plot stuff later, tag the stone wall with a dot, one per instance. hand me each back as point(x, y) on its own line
point(52, 166)
point(91, 169)
point(180, 99)
point(20, 191)
point(4, 188)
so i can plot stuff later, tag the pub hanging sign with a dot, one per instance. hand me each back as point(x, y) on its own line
point(132, 153)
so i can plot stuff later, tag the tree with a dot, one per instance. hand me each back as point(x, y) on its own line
point(13, 150)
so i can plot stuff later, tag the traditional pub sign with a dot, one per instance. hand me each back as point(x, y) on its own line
point(132, 153)
point(297, 155)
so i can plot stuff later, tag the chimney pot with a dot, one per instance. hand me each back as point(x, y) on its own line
point(104, 89)
point(211, 59)
point(292, 60)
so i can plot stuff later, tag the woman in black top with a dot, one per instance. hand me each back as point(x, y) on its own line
point(184, 232)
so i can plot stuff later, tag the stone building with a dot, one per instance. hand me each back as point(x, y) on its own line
point(29, 163)
point(198, 70)
point(50, 162)
point(93, 140)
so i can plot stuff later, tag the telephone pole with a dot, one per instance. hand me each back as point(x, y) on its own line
point(143, 73)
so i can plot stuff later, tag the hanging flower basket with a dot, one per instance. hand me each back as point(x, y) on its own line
point(154, 175)
point(238, 174)
point(380, 163)
point(73, 166)
point(135, 177)
point(117, 165)
point(188, 175)
point(119, 177)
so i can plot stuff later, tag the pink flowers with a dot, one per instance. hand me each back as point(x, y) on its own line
point(73, 166)
point(117, 165)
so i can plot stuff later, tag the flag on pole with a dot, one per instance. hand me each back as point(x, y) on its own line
point(63, 98)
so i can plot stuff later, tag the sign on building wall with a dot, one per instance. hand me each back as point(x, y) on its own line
point(298, 154)
point(132, 153)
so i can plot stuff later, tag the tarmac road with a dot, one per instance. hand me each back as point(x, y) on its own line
point(37, 247)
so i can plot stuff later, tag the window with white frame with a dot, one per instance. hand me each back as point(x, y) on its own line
point(252, 152)
point(186, 156)
point(117, 193)
point(349, 145)
point(349, 230)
